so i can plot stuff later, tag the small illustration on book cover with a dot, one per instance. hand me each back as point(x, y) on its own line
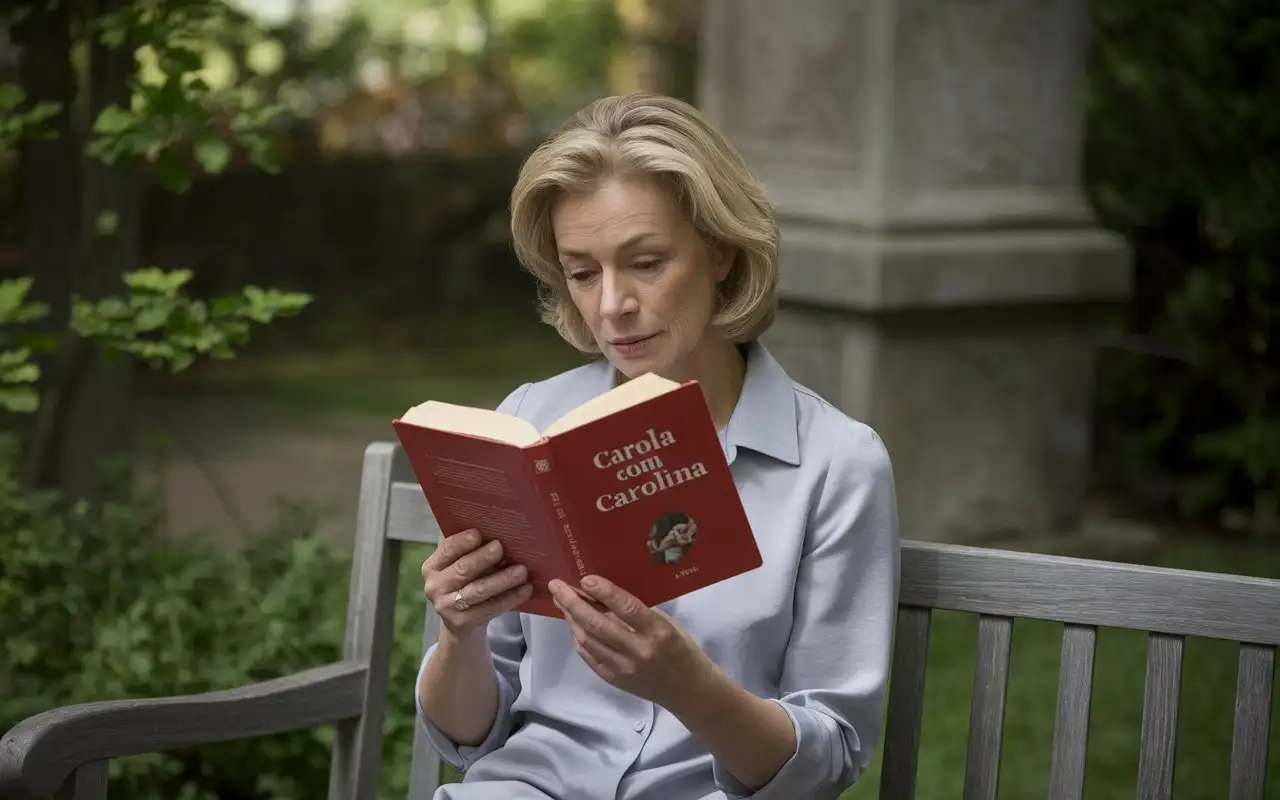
point(671, 537)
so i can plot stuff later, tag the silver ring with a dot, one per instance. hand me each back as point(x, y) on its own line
point(458, 602)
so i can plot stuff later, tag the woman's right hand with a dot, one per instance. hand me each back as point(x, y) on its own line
point(460, 567)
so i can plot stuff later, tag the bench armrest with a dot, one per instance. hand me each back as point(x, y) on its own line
point(41, 752)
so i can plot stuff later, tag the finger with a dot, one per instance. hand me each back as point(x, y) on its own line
point(470, 567)
point(482, 612)
point(594, 663)
point(493, 584)
point(597, 624)
point(624, 604)
point(451, 548)
point(604, 660)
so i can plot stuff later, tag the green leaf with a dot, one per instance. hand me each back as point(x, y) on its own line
point(107, 223)
point(11, 96)
point(171, 172)
point(179, 60)
point(153, 318)
point(19, 399)
point(13, 358)
point(26, 373)
point(213, 153)
point(13, 293)
point(159, 281)
point(114, 120)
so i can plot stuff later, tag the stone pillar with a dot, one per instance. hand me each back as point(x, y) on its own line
point(943, 277)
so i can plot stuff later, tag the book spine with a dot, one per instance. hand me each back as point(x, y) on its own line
point(549, 485)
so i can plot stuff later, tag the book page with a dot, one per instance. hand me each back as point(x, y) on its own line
point(632, 393)
point(472, 421)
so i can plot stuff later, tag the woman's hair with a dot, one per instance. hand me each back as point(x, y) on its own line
point(669, 140)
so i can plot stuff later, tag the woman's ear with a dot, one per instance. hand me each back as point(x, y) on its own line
point(722, 256)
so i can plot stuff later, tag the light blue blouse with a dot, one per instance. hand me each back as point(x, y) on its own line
point(811, 629)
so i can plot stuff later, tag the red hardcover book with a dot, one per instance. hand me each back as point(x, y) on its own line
point(631, 485)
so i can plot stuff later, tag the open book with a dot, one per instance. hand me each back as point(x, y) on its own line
point(631, 485)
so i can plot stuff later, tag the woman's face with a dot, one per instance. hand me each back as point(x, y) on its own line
point(640, 275)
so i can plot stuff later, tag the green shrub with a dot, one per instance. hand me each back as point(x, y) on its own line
point(98, 606)
point(1181, 159)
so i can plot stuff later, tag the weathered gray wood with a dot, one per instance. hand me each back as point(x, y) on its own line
point(411, 518)
point(1088, 592)
point(1160, 715)
point(357, 751)
point(986, 714)
point(40, 753)
point(1252, 734)
point(424, 771)
point(906, 704)
point(1071, 723)
point(89, 782)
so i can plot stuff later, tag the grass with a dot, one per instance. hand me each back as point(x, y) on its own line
point(1205, 714)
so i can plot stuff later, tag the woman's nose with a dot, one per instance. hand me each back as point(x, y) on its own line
point(616, 295)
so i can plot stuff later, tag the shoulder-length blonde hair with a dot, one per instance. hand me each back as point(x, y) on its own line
point(670, 140)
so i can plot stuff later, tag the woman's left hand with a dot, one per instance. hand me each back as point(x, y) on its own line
point(635, 648)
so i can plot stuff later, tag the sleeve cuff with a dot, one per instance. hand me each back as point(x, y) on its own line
point(814, 770)
point(461, 757)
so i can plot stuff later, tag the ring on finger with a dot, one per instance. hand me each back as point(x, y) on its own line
point(459, 603)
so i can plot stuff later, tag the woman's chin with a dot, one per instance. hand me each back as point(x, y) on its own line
point(635, 367)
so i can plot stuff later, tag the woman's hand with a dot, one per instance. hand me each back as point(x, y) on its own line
point(461, 568)
point(636, 648)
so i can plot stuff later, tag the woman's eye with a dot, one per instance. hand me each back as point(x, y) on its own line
point(652, 263)
point(580, 276)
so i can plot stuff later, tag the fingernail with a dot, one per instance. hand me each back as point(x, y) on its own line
point(518, 571)
point(590, 583)
point(493, 547)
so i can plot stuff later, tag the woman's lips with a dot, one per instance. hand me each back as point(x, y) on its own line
point(632, 345)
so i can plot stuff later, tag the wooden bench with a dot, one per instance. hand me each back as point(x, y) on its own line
point(65, 752)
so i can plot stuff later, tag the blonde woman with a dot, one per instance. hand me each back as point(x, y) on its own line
point(657, 252)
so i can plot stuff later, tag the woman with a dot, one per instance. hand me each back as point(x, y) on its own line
point(657, 250)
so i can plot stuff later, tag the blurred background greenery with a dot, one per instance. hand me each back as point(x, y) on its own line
point(213, 549)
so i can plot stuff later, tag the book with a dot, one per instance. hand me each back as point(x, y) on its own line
point(632, 485)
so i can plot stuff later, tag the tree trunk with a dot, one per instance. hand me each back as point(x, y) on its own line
point(99, 411)
point(85, 402)
point(50, 186)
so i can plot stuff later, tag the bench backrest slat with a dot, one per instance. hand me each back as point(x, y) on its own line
point(986, 715)
point(1160, 715)
point(1251, 737)
point(371, 607)
point(906, 703)
point(424, 772)
point(1106, 594)
point(86, 783)
point(1071, 721)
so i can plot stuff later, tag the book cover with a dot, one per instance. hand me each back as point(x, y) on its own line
point(652, 498)
point(641, 495)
